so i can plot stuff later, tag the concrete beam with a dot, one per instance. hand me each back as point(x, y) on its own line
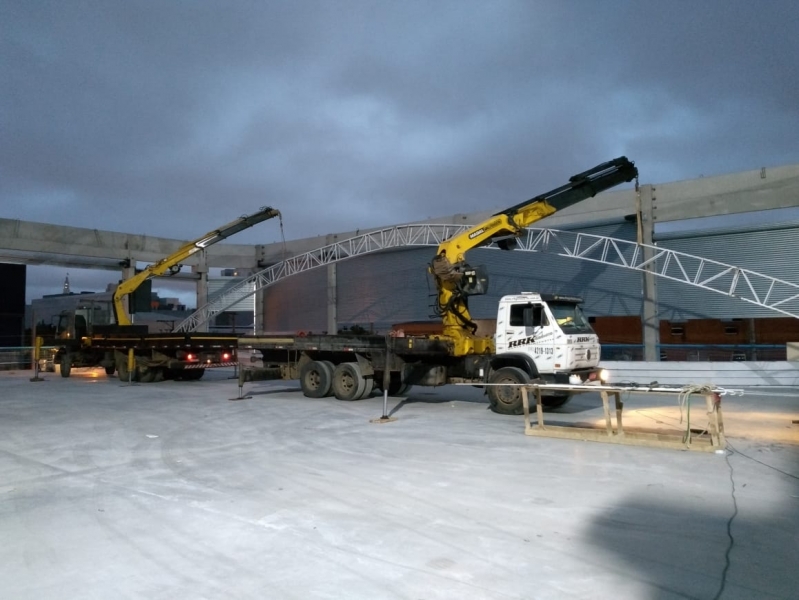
point(40, 243)
point(761, 189)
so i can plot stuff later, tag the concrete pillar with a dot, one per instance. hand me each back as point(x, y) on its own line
point(332, 309)
point(260, 311)
point(201, 269)
point(127, 273)
point(650, 322)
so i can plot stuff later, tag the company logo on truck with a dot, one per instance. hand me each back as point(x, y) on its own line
point(583, 339)
point(521, 342)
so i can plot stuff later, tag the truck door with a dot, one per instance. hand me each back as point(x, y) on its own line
point(527, 329)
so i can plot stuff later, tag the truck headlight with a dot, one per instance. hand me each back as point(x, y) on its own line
point(604, 375)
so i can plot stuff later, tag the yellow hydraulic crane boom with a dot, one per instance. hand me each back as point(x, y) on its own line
point(171, 264)
point(456, 280)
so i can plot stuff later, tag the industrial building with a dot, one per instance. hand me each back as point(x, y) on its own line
point(749, 220)
point(187, 489)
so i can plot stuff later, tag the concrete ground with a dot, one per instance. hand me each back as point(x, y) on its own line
point(170, 490)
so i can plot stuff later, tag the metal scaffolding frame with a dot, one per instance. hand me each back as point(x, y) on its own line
point(735, 282)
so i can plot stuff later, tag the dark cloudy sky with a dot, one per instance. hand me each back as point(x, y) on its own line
point(171, 118)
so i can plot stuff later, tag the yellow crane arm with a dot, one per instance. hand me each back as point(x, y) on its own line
point(456, 280)
point(172, 263)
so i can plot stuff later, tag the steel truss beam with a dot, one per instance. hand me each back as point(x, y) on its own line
point(756, 288)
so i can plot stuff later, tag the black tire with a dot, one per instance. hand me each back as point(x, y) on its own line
point(368, 388)
point(316, 379)
point(192, 374)
point(146, 374)
point(555, 401)
point(397, 388)
point(110, 370)
point(66, 365)
point(507, 400)
point(123, 373)
point(348, 383)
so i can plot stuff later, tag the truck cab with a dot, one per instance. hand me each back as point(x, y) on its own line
point(545, 337)
point(80, 322)
point(552, 330)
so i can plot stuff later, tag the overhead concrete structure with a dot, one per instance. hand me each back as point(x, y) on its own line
point(697, 217)
point(40, 243)
point(713, 217)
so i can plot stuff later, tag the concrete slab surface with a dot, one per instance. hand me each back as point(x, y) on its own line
point(170, 490)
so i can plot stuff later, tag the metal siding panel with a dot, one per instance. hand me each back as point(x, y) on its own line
point(605, 289)
point(297, 303)
point(378, 290)
point(217, 287)
point(769, 252)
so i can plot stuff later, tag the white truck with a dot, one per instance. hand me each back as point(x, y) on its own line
point(537, 336)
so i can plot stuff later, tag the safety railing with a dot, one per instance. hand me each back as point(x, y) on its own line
point(698, 352)
point(14, 358)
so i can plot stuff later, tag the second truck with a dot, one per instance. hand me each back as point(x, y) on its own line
point(98, 331)
point(537, 337)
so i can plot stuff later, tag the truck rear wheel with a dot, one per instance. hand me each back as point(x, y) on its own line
point(555, 401)
point(348, 383)
point(316, 378)
point(368, 388)
point(146, 374)
point(66, 365)
point(507, 400)
point(124, 373)
point(192, 374)
point(395, 387)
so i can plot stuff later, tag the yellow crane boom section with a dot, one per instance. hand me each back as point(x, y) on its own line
point(456, 280)
point(172, 263)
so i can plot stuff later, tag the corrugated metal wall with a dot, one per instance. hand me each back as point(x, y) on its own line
point(378, 290)
point(391, 287)
point(297, 303)
point(772, 253)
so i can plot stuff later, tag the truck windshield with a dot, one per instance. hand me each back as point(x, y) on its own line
point(569, 317)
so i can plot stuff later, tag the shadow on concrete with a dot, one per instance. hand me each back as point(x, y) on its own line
point(678, 543)
point(418, 400)
point(271, 391)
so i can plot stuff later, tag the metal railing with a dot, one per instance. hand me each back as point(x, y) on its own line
point(698, 352)
point(13, 358)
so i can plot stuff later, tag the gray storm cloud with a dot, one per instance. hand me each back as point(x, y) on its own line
point(171, 118)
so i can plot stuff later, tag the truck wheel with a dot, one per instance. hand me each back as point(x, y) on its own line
point(145, 374)
point(192, 374)
point(555, 401)
point(348, 383)
point(368, 388)
point(404, 389)
point(316, 378)
point(66, 365)
point(123, 373)
point(507, 400)
point(397, 388)
point(110, 370)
